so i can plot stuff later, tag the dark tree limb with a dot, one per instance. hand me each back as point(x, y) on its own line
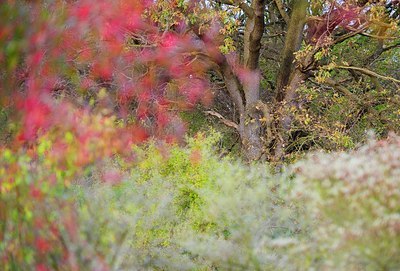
point(368, 72)
point(292, 44)
point(281, 9)
point(241, 4)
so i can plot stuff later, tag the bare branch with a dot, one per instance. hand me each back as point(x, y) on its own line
point(397, 45)
point(336, 85)
point(379, 37)
point(368, 72)
point(349, 35)
point(225, 121)
point(282, 11)
point(245, 7)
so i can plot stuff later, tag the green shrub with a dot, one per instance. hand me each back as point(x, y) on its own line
point(252, 220)
point(186, 209)
point(157, 200)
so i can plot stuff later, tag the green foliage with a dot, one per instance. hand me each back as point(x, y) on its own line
point(340, 106)
point(186, 169)
point(141, 217)
point(12, 47)
point(5, 130)
point(252, 220)
point(198, 122)
point(195, 120)
point(184, 208)
point(334, 212)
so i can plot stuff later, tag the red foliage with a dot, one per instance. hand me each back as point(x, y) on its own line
point(42, 245)
point(345, 16)
point(93, 41)
point(41, 267)
point(35, 192)
point(73, 69)
point(37, 115)
point(195, 157)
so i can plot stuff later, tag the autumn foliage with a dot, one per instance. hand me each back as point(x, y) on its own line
point(91, 96)
point(76, 51)
point(81, 81)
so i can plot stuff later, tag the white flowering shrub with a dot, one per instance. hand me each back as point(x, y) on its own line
point(352, 205)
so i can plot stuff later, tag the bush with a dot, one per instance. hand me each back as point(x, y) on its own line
point(158, 198)
point(351, 201)
point(184, 208)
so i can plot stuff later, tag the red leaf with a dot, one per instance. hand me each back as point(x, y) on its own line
point(138, 135)
point(42, 245)
point(41, 267)
point(35, 192)
point(170, 41)
point(82, 11)
point(195, 157)
point(35, 59)
point(36, 117)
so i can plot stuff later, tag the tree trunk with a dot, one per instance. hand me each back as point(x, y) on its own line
point(250, 125)
point(289, 78)
point(292, 44)
point(286, 116)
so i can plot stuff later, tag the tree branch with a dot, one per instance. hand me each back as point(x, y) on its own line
point(397, 45)
point(332, 83)
point(360, 102)
point(293, 40)
point(349, 35)
point(379, 37)
point(233, 86)
point(245, 7)
point(254, 31)
point(225, 121)
point(282, 11)
point(368, 72)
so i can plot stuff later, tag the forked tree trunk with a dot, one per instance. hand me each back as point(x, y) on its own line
point(249, 126)
point(245, 93)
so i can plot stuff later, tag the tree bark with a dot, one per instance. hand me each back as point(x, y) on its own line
point(285, 114)
point(289, 77)
point(250, 124)
point(293, 40)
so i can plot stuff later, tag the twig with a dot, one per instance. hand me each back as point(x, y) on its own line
point(225, 121)
point(368, 72)
point(245, 7)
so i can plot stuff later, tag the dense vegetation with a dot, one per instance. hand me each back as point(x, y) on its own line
point(199, 135)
